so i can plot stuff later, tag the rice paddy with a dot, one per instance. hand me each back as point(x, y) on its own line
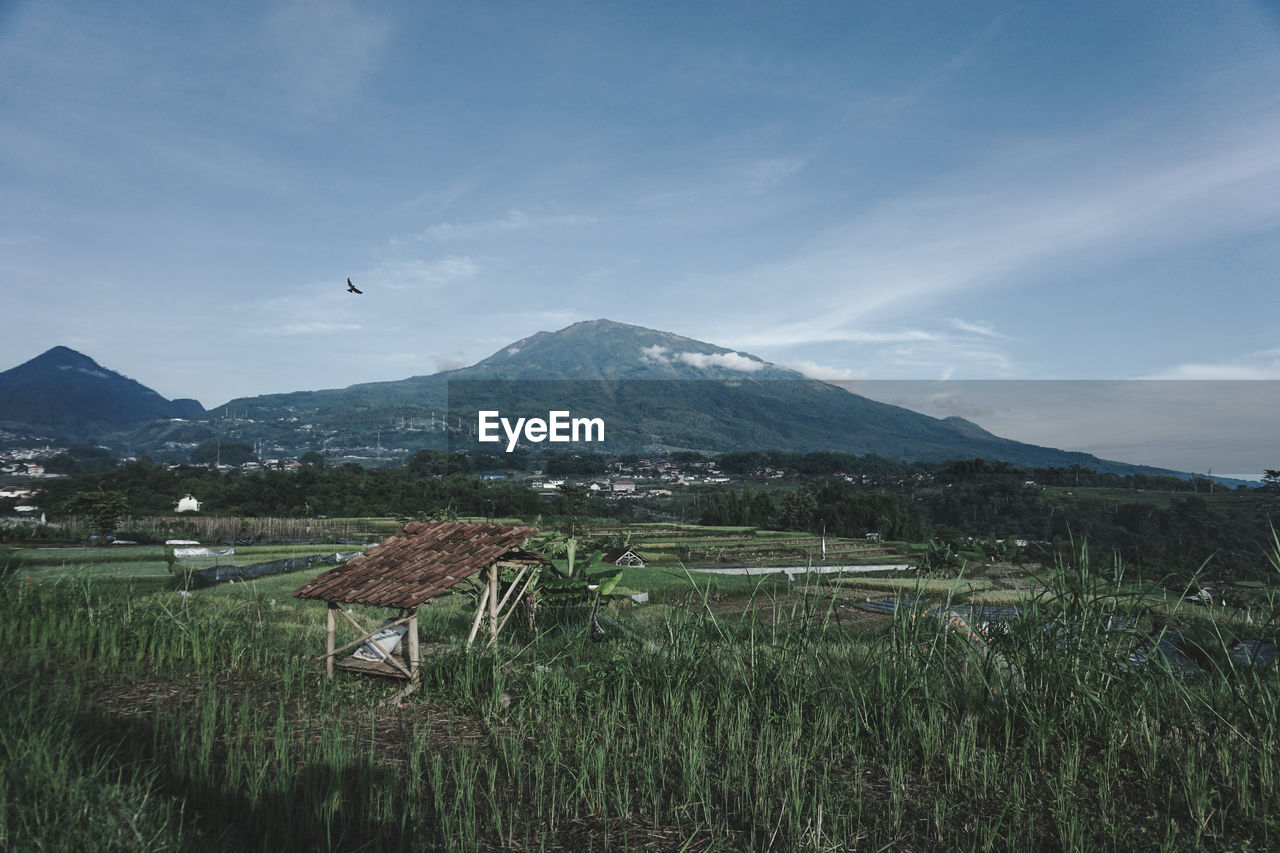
point(761, 714)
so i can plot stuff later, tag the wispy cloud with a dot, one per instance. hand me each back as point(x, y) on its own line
point(920, 89)
point(819, 330)
point(813, 370)
point(729, 177)
point(1077, 203)
point(313, 328)
point(949, 357)
point(419, 274)
point(1264, 364)
point(975, 327)
point(514, 220)
point(761, 174)
point(947, 352)
point(436, 200)
point(324, 50)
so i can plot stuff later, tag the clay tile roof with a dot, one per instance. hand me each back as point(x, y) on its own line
point(423, 561)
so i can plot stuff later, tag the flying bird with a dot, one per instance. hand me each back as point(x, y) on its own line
point(351, 288)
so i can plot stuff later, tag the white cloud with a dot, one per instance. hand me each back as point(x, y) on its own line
point(444, 363)
point(728, 360)
point(657, 352)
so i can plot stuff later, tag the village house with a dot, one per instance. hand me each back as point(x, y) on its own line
point(624, 556)
point(187, 503)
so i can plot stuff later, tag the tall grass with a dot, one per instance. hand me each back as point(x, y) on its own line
point(154, 721)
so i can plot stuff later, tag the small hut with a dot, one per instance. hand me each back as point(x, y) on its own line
point(407, 571)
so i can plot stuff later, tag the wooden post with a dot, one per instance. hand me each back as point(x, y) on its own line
point(511, 589)
point(415, 655)
point(493, 602)
point(329, 640)
point(480, 609)
point(512, 609)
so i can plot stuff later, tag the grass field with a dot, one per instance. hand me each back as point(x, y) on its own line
point(761, 714)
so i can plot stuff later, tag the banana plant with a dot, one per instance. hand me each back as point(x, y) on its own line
point(580, 581)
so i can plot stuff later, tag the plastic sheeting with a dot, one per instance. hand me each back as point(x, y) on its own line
point(274, 567)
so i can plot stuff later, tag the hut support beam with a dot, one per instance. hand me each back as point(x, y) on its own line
point(475, 623)
point(415, 659)
point(332, 630)
point(386, 658)
point(512, 609)
point(415, 653)
point(489, 609)
point(494, 574)
point(366, 635)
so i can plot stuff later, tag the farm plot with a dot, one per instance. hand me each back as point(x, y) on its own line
point(146, 563)
point(725, 547)
point(758, 714)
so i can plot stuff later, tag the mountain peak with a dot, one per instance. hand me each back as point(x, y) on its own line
point(607, 349)
point(61, 356)
point(68, 391)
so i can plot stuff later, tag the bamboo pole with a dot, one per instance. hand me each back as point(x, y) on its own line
point(512, 588)
point(415, 654)
point(386, 658)
point(475, 623)
point(329, 641)
point(366, 635)
point(493, 603)
point(533, 574)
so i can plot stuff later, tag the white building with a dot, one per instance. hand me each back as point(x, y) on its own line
point(187, 504)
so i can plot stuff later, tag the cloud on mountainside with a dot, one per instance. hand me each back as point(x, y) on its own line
point(728, 360)
point(444, 363)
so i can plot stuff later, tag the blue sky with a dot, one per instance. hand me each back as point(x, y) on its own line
point(861, 190)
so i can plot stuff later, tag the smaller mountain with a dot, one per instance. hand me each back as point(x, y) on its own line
point(71, 394)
